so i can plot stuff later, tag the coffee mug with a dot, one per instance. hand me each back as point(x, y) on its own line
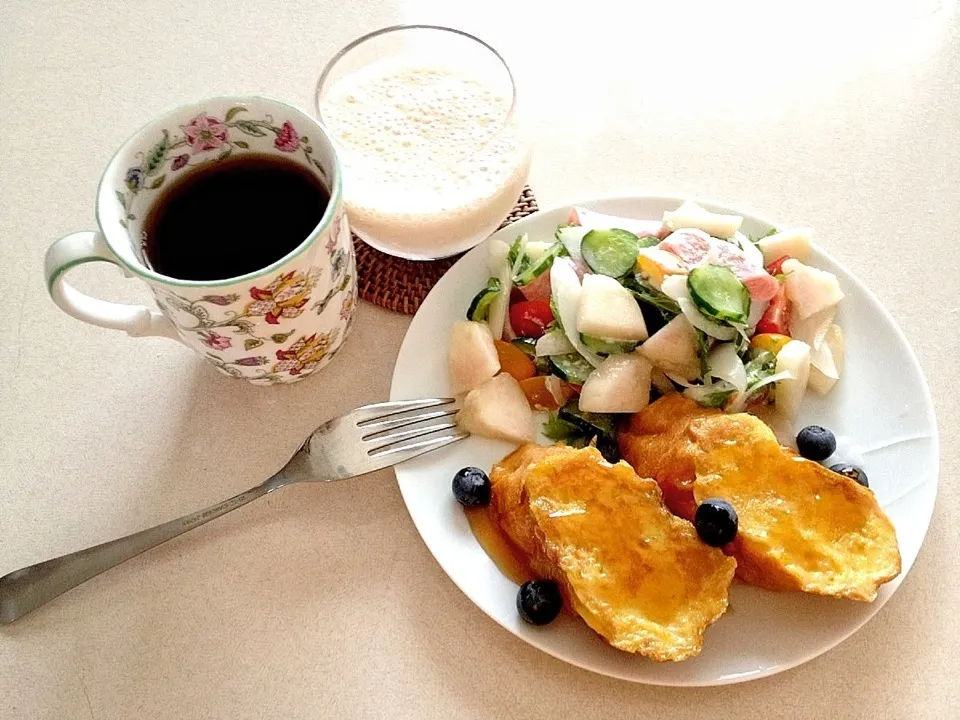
point(277, 324)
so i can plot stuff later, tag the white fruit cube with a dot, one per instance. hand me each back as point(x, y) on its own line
point(497, 409)
point(794, 243)
point(609, 311)
point(620, 385)
point(473, 356)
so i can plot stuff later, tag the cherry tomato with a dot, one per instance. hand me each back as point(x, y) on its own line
point(546, 392)
point(776, 317)
point(776, 267)
point(514, 361)
point(538, 289)
point(530, 318)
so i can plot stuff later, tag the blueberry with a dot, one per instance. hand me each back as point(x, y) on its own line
point(816, 443)
point(716, 522)
point(853, 472)
point(471, 487)
point(539, 601)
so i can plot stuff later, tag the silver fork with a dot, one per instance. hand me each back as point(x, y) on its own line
point(367, 439)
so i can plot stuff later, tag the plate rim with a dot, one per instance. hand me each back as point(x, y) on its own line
point(929, 413)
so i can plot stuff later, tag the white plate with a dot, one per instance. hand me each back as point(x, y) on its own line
point(882, 402)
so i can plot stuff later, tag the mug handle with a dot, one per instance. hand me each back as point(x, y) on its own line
point(83, 247)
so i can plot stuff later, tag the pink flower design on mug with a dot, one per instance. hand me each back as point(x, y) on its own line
point(215, 340)
point(180, 161)
point(205, 133)
point(287, 139)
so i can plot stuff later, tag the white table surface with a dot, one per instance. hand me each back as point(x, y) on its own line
point(321, 601)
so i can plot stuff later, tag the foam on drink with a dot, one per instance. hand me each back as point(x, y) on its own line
point(433, 160)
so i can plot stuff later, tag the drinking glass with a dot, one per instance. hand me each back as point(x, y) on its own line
point(426, 124)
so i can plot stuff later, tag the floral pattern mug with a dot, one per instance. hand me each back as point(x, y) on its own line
point(276, 325)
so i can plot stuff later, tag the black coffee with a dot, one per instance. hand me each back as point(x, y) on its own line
point(233, 217)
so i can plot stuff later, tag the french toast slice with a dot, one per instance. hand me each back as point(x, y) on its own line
point(658, 444)
point(801, 526)
point(637, 574)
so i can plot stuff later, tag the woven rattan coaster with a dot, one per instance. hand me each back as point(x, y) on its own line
point(401, 285)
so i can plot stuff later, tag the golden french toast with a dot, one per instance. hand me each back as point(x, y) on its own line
point(658, 444)
point(638, 575)
point(801, 526)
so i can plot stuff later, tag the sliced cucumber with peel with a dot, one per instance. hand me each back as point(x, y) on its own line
point(607, 347)
point(541, 265)
point(480, 305)
point(529, 348)
point(571, 236)
point(527, 345)
point(572, 368)
point(610, 252)
point(719, 294)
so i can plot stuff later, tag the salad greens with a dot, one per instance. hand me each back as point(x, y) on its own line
point(711, 396)
point(531, 270)
point(570, 304)
point(755, 239)
point(647, 294)
point(761, 365)
point(556, 428)
point(527, 268)
point(704, 344)
point(579, 429)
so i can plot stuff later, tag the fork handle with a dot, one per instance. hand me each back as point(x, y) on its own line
point(28, 588)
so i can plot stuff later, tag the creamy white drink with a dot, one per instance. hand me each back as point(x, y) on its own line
point(433, 157)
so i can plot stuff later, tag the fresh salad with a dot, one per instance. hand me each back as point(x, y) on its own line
point(612, 312)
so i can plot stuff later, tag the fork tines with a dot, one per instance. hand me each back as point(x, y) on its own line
point(381, 426)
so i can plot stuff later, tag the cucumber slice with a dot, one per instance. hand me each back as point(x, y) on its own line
point(536, 269)
point(480, 305)
point(607, 347)
point(572, 368)
point(527, 345)
point(571, 236)
point(610, 252)
point(516, 254)
point(529, 348)
point(719, 294)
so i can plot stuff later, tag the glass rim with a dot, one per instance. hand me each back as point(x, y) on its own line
point(346, 49)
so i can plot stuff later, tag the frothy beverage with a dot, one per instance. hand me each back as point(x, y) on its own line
point(433, 158)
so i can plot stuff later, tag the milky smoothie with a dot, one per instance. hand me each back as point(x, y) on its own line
point(433, 158)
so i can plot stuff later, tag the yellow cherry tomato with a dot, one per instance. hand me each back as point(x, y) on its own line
point(771, 342)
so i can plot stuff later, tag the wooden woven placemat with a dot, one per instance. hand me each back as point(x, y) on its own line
point(401, 285)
